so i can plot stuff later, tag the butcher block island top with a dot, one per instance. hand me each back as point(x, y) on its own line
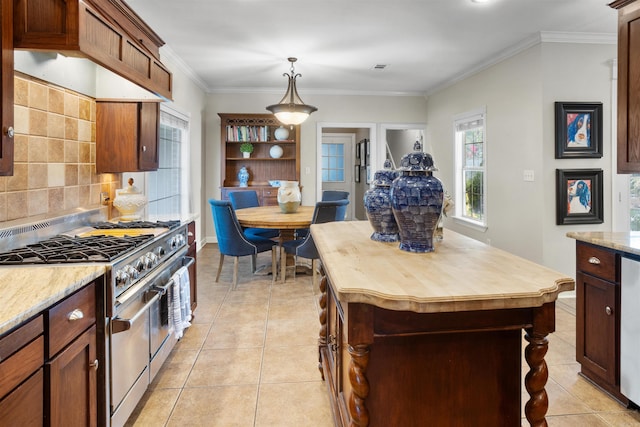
point(462, 274)
point(410, 339)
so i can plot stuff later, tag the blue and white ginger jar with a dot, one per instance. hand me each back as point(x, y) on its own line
point(243, 176)
point(377, 203)
point(416, 199)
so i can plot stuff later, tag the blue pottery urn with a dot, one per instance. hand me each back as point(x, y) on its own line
point(416, 199)
point(377, 203)
point(243, 176)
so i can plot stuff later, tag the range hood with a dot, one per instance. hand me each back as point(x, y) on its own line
point(107, 32)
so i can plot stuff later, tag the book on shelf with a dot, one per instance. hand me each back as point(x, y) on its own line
point(247, 133)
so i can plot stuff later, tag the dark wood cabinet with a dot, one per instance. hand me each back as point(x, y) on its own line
point(259, 130)
point(73, 383)
point(628, 85)
point(106, 31)
point(6, 88)
point(127, 136)
point(192, 252)
point(598, 316)
point(21, 375)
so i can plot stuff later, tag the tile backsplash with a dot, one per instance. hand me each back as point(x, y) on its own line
point(54, 153)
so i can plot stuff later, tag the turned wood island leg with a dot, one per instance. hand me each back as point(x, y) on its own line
point(322, 339)
point(535, 380)
point(360, 384)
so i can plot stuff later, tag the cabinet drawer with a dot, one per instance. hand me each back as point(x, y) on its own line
point(598, 262)
point(71, 317)
point(20, 337)
point(20, 365)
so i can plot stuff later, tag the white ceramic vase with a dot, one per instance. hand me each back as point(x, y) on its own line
point(129, 201)
point(281, 133)
point(289, 196)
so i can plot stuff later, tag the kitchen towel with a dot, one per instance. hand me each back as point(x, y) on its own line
point(181, 303)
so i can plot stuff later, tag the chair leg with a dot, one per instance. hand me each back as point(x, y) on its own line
point(235, 271)
point(295, 262)
point(219, 267)
point(283, 264)
point(253, 263)
point(274, 263)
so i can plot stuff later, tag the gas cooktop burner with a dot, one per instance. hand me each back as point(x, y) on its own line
point(137, 224)
point(65, 249)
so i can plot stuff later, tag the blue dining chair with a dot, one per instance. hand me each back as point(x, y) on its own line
point(249, 199)
point(328, 196)
point(233, 242)
point(327, 211)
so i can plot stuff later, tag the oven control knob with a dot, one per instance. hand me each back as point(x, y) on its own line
point(122, 278)
point(146, 261)
point(132, 272)
point(159, 251)
point(177, 241)
point(153, 258)
point(139, 264)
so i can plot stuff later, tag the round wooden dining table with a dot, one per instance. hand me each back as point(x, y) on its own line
point(273, 217)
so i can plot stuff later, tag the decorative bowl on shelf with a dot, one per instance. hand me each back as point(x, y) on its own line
point(274, 183)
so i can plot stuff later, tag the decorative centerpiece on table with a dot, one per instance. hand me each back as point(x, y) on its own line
point(289, 196)
point(246, 148)
point(129, 201)
point(417, 198)
point(377, 203)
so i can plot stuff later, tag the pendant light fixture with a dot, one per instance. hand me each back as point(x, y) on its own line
point(291, 110)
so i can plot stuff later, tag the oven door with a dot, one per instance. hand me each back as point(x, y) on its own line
point(129, 370)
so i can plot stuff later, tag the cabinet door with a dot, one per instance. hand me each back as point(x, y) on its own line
point(629, 89)
point(149, 117)
point(72, 378)
point(597, 342)
point(6, 88)
point(25, 405)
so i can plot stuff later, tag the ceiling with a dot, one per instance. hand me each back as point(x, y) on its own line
point(243, 45)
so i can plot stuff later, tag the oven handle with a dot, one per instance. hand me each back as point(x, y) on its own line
point(121, 325)
point(163, 289)
point(188, 261)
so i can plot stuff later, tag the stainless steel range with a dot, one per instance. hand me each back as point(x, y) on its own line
point(141, 260)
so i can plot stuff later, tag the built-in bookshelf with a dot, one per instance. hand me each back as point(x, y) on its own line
point(258, 129)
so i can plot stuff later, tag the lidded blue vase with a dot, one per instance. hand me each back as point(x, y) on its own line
point(416, 200)
point(377, 203)
point(243, 176)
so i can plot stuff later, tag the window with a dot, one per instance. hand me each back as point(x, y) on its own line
point(167, 187)
point(333, 162)
point(471, 182)
point(634, 202)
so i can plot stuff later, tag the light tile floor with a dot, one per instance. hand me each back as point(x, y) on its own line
point(250, 359)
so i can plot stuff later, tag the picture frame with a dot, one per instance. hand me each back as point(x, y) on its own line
point(579, 196)
point(368, 179)
point(578, 130)
point(356, 173)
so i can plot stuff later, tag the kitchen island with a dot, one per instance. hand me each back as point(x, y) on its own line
point(436, 338)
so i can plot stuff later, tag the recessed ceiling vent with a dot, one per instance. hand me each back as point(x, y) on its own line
point(380, 66)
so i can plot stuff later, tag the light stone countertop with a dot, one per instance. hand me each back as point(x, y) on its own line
point(27, 291)
point(628, 242)
point(462, 274)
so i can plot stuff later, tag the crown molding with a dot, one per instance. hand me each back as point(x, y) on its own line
point(167, 52)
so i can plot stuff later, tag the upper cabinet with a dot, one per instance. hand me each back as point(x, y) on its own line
point(6, 88)
point(127, 136)
point(106, 31)
point(628, 85)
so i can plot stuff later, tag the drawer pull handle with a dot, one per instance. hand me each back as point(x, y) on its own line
point(76, 314)
point(94, 365)
point(608, 310)
point(594, 260)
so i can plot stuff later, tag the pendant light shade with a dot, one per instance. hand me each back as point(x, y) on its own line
point(291, 110)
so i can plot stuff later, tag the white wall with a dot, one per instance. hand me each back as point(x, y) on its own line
point(331, 108)
point(519, 95)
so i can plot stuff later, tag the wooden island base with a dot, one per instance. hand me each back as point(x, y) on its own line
point(450, 369)
point(432, 339)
